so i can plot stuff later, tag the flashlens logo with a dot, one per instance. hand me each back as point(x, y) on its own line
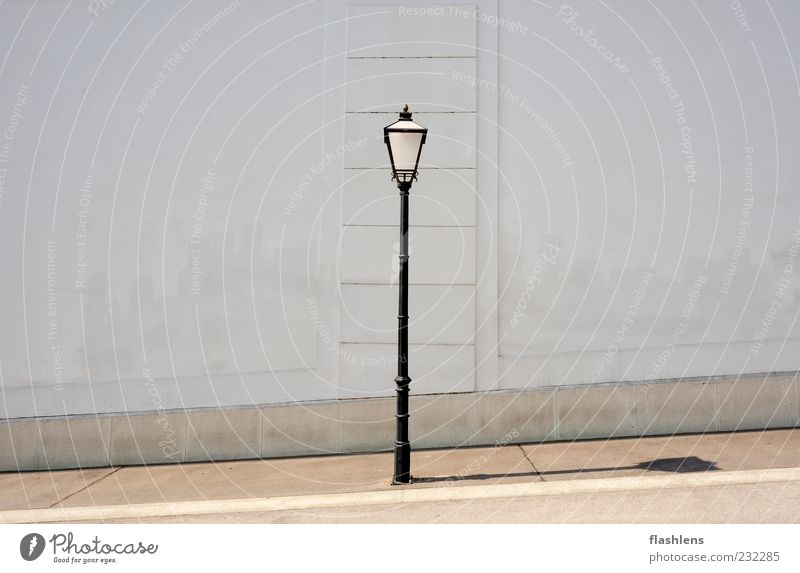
point(31, 546)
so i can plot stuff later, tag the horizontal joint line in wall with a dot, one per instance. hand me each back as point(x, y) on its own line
point(394, 343)
point(375, 168)
point(392, 226)
point(412, 57)
point(416, 112)
point(640, 348)
point(411, 283)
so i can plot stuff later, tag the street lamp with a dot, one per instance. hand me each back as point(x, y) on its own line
point(404, 138)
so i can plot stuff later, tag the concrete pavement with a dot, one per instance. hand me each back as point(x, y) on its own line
point(775, 502)
point(734, 462)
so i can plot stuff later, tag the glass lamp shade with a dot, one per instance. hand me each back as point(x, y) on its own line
point(404, 138)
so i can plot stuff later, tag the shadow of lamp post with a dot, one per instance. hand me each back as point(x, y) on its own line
point(404, 139)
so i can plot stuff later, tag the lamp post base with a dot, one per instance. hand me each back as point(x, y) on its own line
point(402, 445)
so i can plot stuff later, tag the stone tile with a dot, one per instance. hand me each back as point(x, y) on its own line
point(75, 442)
point(148, 439)
point(586, 459)
point(596, 412)
point(516, 417)
point(41, 489)
point(231, 434)
point(310, 429)
point(367, 425)
point(443, 420)
point(758, 402)
point(676, 408)
point(471, 466)
point(19, 441)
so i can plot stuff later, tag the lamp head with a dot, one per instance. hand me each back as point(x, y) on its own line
point(404, 139)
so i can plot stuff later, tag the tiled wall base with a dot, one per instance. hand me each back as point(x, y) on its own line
point(365, 425)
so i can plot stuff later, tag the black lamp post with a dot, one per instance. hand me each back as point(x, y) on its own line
point(404, 138)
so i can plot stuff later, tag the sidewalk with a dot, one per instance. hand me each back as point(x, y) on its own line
point(350, 480)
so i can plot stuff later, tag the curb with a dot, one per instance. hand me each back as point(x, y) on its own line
point(396, 496)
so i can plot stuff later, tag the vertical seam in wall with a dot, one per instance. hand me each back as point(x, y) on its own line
point(260, 411)
point(106, 439)
point(110, 440)
point(185, 436)
point(490, 44)
point(797, 398)
point(338, 426)
point(475, 278)
point(497, 199)
point(556, 416)
point(475, 438)
point(39, 453)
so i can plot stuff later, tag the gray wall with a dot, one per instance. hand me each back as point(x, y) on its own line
point(195, 210)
